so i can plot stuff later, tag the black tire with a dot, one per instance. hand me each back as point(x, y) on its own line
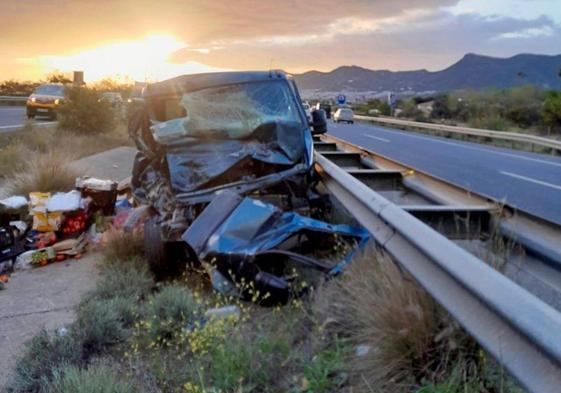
point(155, 246)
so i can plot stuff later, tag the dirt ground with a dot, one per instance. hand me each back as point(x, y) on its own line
point(40, 298)
point(45, 297)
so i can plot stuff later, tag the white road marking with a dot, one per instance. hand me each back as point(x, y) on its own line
point(529, 179)
point(477, 148)
point(376, 137)
point(23, 125)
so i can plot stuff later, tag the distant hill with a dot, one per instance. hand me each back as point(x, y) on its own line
point(471, 72)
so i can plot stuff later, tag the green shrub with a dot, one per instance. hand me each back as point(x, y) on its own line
point(492, 122)
point(97, 378)
point(321, 372)
point(231, 366)
point(124, 279)
point(263, 354)
point(84, 113)
point(43, 354)
point(169, 311)
point(551, 111)
point(126, 309)
point(99, 326)
point(254, 362)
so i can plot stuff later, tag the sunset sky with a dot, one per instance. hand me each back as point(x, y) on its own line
point(154, 40)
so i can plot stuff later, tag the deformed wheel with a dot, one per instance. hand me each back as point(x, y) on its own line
point(155, 246)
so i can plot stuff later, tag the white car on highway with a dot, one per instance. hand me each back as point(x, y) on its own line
point(344, 114)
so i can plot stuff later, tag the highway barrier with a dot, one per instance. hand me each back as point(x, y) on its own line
point(515, 326)
point(12, 100)
point(514, 137)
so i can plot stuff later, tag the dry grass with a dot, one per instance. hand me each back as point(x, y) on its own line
point(410, 338)
point(12, 159)
point(43, 173)
point(123, 246)
point(36, 159)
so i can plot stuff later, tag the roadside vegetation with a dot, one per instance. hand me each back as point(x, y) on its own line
point(371, 330)
point(37, 158)
point(525, 109)
point(13, 87)
point(85, 113)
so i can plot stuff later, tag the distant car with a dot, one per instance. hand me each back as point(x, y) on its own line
point(344, 114)
point(113, 98)
point(45, 100)
point(308, 111)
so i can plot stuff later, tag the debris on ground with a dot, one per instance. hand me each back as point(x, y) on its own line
point(224, 180)
point(48, 228)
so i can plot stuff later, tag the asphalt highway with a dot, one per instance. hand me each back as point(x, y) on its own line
point(11, 116)
point(528, 181)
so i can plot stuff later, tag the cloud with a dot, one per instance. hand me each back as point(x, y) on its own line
point(294, 35)
point(56, 23)
point(144, 59)
point(428, 40)
point(529, 33)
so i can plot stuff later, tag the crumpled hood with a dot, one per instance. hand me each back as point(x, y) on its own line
point(196, 163)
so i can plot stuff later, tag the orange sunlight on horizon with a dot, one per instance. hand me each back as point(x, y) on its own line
point(146, 59)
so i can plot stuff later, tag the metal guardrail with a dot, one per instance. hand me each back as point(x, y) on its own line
point(13, 99)
point(502, 135)
point(513, 325)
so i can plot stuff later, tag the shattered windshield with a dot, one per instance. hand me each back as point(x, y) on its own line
point(232, 111)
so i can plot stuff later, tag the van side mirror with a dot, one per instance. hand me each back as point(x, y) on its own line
point(319, 122)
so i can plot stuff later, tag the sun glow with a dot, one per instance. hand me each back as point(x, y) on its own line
point(143, 60)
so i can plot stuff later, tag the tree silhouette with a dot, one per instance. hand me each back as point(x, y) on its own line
point(57, 77)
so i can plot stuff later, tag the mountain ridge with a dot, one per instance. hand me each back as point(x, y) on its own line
point(472, 71)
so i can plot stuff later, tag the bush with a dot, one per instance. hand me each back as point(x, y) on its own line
point(409, 337)
point(169, 311)
point(99, 326)
point(84, 113)
point(43, 354)
point(258, 356)
point(126, 309)
point(494, 123)
point(126, 280)
point(551, 111)
point(44, 173)
point(97, 378)
point(320, 371)
point(12, 159)
point(123, 246)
